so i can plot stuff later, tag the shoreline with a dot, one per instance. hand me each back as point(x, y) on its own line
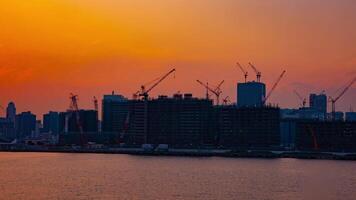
point(203, 153)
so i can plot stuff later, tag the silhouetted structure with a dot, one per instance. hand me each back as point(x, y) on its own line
point(114, 113)
point(51, 123)
point(25, 125)
point(254, 128)
point(11, 112)
point(87, 118)
point(178, 121)
point(251, 94)
point(318, 102)
point(326, 136)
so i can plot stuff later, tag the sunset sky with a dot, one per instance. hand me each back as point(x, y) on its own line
point(49, 48)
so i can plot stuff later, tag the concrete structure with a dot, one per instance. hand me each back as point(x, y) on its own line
point(181, 120)
point(249, 128)
point(25, 125)
point(302, 113)
point(318, 102)
point(88, 119)
point(114, 113)
point(350, 116)
point(11, 112)
point(251, 94)
point(288, 131)
point(51, 123)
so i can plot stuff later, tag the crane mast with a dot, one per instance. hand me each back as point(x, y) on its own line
point(304, 100)
point(242, 70)
point(258, 73)
point(274, 86)
point(74, 108)
point(334, 100)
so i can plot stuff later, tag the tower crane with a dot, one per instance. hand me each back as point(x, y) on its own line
point(145, 92)
point(73, 108)
point(217, 91)
point(258, 73)
point(303, 99)
point(274, 86)
point(226, 100)
point(243, 71)
point(335, 99)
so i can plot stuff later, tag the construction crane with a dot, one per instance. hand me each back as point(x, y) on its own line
point(334, 100)
point(258, 73)
point(145, 92)
point(315, 141)
point(274, 87)
point(243, 71)
point(302, 99)
point(73, 108)
point(96, 105)
point(226, 100)
point(217, 91)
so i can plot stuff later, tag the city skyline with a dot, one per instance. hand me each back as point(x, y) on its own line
point(51, 48)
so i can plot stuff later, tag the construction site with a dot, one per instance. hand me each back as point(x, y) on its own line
point(214, 122)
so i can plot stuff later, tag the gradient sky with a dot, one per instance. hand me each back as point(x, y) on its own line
point(49, 48)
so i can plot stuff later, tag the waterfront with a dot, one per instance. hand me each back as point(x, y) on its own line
point(117, 176)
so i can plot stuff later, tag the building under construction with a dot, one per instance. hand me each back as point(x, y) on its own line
point(249, 127)
point(181, 120)
point(326, 136)
point(87, 120)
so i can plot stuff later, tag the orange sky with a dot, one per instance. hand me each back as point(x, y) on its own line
point(49, 48)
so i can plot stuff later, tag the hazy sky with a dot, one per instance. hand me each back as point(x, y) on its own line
point(49, 48)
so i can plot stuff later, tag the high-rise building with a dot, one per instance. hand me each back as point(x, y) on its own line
point(318, 102)
point(51, 122)
point(11, 112)
point(114, 113)
point(181, 120)
point(25, 124)
point(7, 129)
point(88, 120)
point(251, 94)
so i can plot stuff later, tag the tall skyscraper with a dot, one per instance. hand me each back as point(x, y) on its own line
point(251, 94)
point(11, 112)
point(115, 112)
point(318, 102)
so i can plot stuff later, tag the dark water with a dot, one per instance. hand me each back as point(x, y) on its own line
point(94, 176)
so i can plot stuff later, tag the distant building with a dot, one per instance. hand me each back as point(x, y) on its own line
point(69, 123)
point(350, 116)
point(114, 113)
point(11, 112)
point(251, 94)
point(7, 129)
point(318, 102)
point(25, 125)
point(51, 123)
point(253, 128)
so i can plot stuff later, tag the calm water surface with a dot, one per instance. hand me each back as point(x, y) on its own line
point(95, 176)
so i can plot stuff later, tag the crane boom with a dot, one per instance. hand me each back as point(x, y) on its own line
point(145, 92)
point(218, 88)
point(258, 73)
point(243, 71)
point(274, 86)
point(207, 87)
point(217, 91)
point(334, 100)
